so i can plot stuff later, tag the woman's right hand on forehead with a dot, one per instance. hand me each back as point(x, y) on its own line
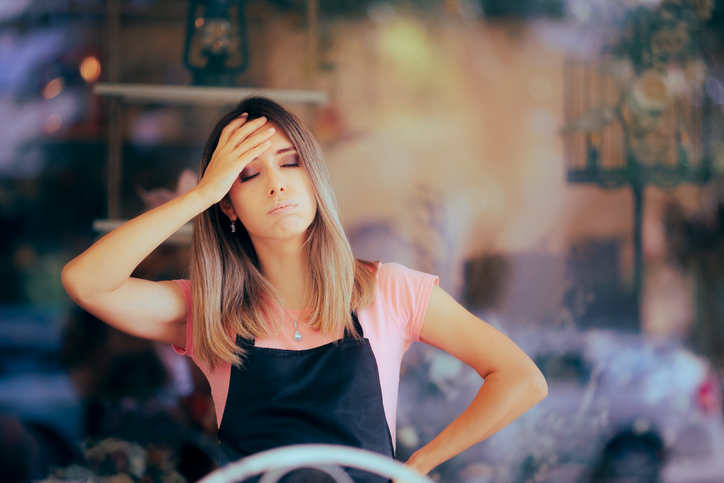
point(240, 142)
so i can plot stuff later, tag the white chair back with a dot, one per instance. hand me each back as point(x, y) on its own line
point(275, 463)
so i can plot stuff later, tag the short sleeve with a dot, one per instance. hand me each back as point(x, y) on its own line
point(189, 350)
point(405, 293)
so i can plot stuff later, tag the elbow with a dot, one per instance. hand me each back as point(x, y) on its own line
point(67, 279)
point(72, 283)
point(537, 384)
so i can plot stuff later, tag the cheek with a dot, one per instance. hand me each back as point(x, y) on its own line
point(312, 199)
point(309, 190)
point(243, 203)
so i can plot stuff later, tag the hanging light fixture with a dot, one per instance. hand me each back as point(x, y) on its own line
point(216, 45)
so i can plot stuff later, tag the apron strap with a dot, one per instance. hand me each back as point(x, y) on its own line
point(357, 326)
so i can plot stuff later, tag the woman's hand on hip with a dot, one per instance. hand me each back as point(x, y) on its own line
point(240, 142)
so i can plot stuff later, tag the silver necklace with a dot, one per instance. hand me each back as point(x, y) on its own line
point(297, 335)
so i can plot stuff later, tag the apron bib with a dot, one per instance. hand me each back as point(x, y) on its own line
point(329, 394)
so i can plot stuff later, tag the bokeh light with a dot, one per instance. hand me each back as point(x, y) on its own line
point(53, 123)
point(90, 69)
point(53, 88)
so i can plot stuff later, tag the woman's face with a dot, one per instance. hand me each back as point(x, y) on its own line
point(273, 197)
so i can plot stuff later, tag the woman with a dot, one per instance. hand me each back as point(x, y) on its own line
point(301, 343)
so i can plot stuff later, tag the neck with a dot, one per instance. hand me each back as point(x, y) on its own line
point(284, 264)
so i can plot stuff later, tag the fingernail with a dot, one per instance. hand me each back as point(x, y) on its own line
point(271, 129)
point(246, 114)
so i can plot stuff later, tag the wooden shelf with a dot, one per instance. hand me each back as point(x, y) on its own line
point(181, 237)
point(197, 95)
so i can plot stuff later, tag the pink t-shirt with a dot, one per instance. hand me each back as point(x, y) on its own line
point(391, 323)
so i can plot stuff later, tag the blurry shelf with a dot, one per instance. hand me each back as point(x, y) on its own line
point(181, 237)
point(178, 94)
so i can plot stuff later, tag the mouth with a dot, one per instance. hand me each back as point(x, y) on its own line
point(281, 208)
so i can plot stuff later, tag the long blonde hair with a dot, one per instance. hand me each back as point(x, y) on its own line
point(232, 297)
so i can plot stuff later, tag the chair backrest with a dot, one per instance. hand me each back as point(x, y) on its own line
point(275, 463)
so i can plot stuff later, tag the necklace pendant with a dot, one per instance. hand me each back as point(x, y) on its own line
point(297, 335)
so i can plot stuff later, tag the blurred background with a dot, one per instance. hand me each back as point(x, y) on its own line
point(558, 163)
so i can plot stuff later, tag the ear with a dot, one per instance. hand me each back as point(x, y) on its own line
point(227, 209)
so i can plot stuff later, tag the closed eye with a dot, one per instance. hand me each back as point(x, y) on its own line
point(246, 177)
point(289, 162)
point(292, 162)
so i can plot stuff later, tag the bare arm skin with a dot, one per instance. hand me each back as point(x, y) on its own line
point(513, 383)
point(99, 279)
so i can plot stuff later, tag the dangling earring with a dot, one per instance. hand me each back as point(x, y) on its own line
point(233, 226)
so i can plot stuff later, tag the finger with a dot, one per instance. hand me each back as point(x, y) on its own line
point(231, 128)
point(254, 140)
point(252, 153)
point(246, 130)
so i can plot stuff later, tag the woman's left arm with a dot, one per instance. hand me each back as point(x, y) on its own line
point(513, 383)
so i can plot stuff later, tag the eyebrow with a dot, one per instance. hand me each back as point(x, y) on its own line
point(283, 150)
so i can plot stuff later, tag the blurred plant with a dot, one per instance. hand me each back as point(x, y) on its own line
point(663, 48)
point(656, 60)
point(637, 110)
point(658, 36)
point(117, 461)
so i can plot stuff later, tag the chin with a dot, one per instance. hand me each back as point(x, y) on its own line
point(290, 230)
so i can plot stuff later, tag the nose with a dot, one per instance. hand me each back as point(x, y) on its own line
point(276, 183)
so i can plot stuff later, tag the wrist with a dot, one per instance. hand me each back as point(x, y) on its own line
point(419, 462)
point(200, 198)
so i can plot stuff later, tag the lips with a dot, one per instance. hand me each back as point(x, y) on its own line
point(283, 207)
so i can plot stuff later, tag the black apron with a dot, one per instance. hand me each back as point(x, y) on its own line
point(329, 394)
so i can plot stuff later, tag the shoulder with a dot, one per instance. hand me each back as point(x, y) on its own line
point(402, 296)
point(391, 269)
point(402, 288)
point(395, 276)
